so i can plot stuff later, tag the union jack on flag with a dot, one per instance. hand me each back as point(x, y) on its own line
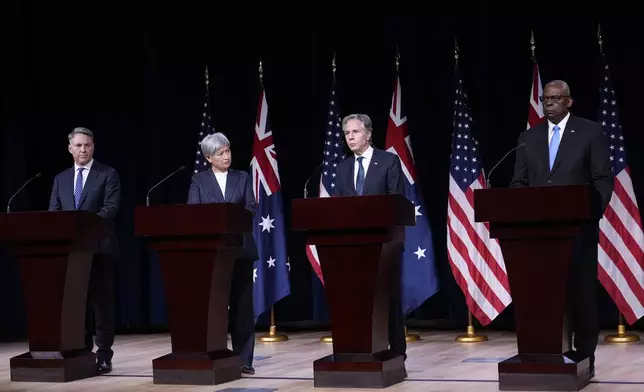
point(418, 270)
point(271, 271)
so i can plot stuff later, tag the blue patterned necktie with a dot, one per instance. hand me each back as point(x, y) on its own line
point(78, 190)
point(554, 145)
point(360, 179)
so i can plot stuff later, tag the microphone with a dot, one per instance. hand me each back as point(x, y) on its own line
point(147, 197)
point(487, 181)
point(306, 192)
point(18, 191)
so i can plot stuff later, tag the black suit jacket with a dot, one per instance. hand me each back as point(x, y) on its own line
point(101, 195)
point(384, 176)
point(204, 188)
point(583, 158)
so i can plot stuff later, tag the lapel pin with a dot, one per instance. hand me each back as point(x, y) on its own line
point(572, 131)
point(375, 163)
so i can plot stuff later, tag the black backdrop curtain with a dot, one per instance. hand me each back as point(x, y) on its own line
point(134, 75)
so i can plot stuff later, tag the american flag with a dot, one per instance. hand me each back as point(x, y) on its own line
point(535, 110)
point(419, 275)
point(476, 259)
point(333, 155)
point(271, 271)
point(206, 128)
point(621, 242)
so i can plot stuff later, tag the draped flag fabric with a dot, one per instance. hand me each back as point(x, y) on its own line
point(206, 129)
point(271, 271)
point(333, 155)
point(419, 274)
point(621, 240)
point(475, 258)
point(535, 110)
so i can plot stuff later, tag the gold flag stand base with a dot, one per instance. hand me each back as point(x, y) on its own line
point(622, 336)
point(411, 337)
point(273, 336)
point(471, 336)
point(326, 339)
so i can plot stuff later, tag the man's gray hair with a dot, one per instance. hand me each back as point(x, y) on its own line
point(366, 121)
point(211, 143)
point(80, 131)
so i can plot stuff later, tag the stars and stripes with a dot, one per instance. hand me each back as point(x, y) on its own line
point(333, 155)
point(621, 240)
point(271, 271)
point(418, 272)
point(475, 258)
point(206, 129)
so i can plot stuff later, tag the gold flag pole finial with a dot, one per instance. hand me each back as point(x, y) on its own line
point(471, 336)
point(532, 46)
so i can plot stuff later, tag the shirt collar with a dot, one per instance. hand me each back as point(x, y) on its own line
point(562, 123)
point(88, 167)
point(367, 154)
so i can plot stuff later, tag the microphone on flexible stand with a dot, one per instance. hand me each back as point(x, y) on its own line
point(306, 192)
point(487, 181)
point(147, 197)
point(18, 191)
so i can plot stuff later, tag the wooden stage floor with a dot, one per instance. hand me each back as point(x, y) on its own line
point(436, 363)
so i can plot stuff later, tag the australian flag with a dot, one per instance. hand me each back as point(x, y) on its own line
point(271, 271)
point(419, 274)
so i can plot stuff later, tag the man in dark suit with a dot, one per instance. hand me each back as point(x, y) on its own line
point(569, 150)
point(94, 187)
point(371, 171)
point(220, 184)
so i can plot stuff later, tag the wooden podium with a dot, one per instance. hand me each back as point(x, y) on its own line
point(359, 241)
point(55, 251)
point(536, 228)
point(197, 245)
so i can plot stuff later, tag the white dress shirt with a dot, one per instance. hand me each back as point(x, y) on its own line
point(562, 126)
point(87, 168)
point(221, 180)
point(365, 164)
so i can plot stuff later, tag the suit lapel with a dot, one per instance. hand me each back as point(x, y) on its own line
point(68, 187)
point(566, 142)
point(372, 172)
point(214, 185)
point(91, 181)
point(351, 174)
point(231, 184)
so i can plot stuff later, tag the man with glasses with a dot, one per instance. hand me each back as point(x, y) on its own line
point(570, 150)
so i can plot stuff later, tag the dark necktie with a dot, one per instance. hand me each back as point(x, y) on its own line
point(78, 190)
point(360, 179)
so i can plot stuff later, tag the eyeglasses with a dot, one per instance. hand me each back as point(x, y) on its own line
point(545, 98)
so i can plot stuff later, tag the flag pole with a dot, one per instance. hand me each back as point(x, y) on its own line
point(408, 337)
point(471, 336)
point(272, 336)
point(622, 336)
